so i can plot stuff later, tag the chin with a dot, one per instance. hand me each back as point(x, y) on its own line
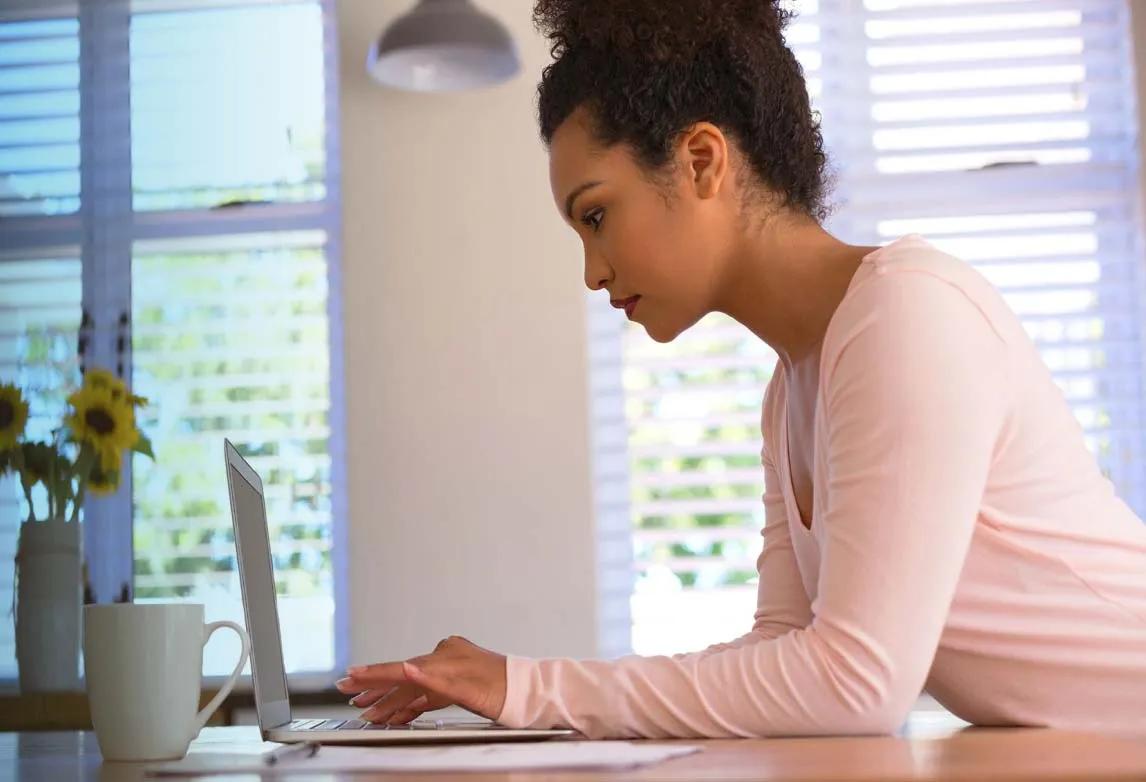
point(659, 333)
point(663, 332)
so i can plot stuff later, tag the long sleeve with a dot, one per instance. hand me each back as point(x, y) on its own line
point(782, 605)
point(915, 394)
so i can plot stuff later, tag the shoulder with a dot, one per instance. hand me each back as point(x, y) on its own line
point(914, 301)
point(912, 280)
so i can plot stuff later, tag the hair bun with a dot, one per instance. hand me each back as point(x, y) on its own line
point(660, 30)
point(645, 70)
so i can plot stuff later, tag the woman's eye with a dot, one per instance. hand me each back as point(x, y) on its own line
point(593, 219)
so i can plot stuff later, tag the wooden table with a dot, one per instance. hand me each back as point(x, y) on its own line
point(931, 746)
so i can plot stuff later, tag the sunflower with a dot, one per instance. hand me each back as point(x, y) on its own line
point(104, 422)
point(101, 378)
point(13, 415)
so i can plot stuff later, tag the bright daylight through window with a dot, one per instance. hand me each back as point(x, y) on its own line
point(1005, 134)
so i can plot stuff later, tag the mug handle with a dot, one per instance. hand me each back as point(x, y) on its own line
point(205, 714)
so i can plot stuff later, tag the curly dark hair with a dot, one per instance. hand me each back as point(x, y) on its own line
point(646, 70)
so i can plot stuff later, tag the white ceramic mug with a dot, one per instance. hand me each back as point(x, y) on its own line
point(144, 665)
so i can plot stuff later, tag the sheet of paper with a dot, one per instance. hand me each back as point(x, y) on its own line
point(455, 757)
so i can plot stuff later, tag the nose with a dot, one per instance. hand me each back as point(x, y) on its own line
point(597, 272)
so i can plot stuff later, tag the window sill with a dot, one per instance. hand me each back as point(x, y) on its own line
point(70, 711)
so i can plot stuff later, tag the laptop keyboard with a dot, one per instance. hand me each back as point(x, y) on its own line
point(308, 725)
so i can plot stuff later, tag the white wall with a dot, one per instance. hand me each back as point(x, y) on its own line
point(469, 491)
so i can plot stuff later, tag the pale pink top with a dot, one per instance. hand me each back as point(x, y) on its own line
point(963, 541)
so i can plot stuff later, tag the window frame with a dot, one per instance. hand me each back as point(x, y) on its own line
point(104, 232)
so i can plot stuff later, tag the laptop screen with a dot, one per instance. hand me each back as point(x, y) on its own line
point(257, 574)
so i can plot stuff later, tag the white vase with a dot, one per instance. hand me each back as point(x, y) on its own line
point(49, 605)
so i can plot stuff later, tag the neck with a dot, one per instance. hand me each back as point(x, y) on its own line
point(785, 281)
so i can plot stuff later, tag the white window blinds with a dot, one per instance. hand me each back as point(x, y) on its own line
point(39, 115)
point(240, 352)
point(208, 238)
point(1005, 132)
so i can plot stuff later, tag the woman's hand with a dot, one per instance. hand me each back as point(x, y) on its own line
point(457, 671)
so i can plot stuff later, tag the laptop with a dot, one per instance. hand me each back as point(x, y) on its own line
point(260, 606)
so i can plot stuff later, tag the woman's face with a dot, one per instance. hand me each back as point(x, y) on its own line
point(638, 243)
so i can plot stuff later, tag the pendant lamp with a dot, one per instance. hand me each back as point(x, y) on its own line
point(443, 45)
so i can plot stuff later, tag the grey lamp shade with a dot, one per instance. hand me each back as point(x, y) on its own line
point(443, 45)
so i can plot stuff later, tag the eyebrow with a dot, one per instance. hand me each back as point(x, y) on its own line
point(569, 199)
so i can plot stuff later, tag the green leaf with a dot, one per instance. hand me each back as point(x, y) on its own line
point(85, 461)
point(144, 446)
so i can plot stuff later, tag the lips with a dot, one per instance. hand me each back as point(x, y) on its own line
point(626, 304)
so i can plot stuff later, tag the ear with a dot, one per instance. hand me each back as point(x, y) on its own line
point(704, 149)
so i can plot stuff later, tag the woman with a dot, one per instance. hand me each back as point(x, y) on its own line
point(933, 518)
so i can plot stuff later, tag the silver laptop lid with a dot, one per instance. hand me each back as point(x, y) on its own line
point(256, 577)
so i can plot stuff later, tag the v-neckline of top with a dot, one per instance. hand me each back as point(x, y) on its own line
point(789, 486)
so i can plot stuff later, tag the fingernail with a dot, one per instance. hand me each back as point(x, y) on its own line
point(353, 701)
point(356, 669)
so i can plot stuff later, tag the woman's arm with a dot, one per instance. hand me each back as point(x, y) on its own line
point(915, 398)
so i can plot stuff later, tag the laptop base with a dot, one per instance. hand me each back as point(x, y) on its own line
point(417, 732)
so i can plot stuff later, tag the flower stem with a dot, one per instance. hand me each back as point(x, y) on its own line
point(51, 483)
point(28, 495)
point(78, 500)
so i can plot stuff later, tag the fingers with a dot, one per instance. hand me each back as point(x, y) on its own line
point(348, 686)
point(401, 700)
point(356, 685)
point(418, 707)
point(457, 671)
point(368, 677)
point(368, 698)
point(365, 700)
point(388, 691)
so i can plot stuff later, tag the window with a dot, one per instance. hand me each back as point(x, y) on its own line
point(39, 318)
point(1003, 132)
point(226, 104)
point(208, 269)
point(240, 352)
